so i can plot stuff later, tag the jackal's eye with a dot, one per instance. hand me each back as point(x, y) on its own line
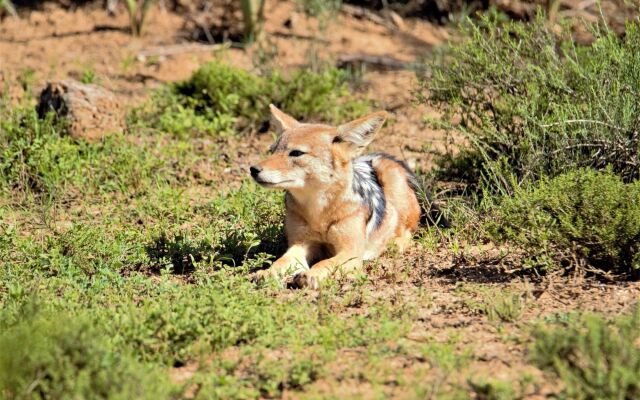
point(296, 153)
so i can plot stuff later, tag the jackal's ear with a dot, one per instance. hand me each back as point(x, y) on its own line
point(280, 121)
point(360, 132)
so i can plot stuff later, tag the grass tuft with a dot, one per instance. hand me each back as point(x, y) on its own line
point(594, 358)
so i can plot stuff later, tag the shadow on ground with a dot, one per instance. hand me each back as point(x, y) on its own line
point(181, 254)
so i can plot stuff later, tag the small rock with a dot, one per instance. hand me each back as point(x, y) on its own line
point(93, 112)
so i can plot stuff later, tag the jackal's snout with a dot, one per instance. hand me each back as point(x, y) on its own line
point(255, 171)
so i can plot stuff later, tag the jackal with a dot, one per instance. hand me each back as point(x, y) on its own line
point(339, 204)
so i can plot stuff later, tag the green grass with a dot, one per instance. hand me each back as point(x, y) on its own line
point(36, 158)
point(498, 304)
point(594, 358)
point(56, 356)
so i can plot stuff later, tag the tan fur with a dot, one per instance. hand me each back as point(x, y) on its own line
point(322, 213)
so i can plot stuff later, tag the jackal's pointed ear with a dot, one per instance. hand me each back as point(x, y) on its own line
point(360, 132)
point(280, 121)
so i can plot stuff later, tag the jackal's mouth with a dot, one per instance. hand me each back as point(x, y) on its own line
point(264, 183)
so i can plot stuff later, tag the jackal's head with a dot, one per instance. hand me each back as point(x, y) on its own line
point(313, 155)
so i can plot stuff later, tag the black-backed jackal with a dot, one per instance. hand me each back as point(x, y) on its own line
point(341, 207)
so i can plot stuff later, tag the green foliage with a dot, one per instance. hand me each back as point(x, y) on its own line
point(594, 358)
point(220, 100)
point(532, 103)
point(219, 91)
point(491, 389)
point(137, 10)
point(318, 96)
point(506, 307)
point(325, 12)
point(6, 6)
point(267, 375)
point(497, 305)
point(36, 157)
point(89, 76)
point(583, 219)
point(320, 8)
point(27, 79)
point(253, 16)
point(60, 356)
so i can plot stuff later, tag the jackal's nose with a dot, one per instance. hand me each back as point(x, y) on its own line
point(255, 171)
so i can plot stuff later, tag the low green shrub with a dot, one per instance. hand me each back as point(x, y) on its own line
point(221, 92)
point(37, 157)
point(220, 100)
point(532, 103)
point(60, 356)
point(493, 389)
point(318, 96)
point(583, 219)
point(594, 358)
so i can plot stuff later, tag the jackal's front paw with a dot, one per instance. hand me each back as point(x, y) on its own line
point(311, 278)
point(263, 275)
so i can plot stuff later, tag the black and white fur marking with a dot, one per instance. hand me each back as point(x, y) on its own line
point(367, 186)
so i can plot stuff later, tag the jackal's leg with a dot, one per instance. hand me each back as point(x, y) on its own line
point(342, 263)
point(294, 260)
point(347, 238)
point(403, 242)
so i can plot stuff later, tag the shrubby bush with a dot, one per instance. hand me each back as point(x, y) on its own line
point(532, 103)
point(63, 356)
point(219, 99)
point(595, 358)
point(584, 219)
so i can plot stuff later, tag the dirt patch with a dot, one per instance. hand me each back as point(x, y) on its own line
point(57, 43)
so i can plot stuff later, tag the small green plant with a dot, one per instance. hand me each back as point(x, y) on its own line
point(594, 358)
point(137, 10)
point(444, 362)
point(508, 307)
point(127, 63)
point(89, 76)
point(220, 100)
point(324, 12)
point(6, 6)
point(491, 389)
point(583, 219)
point(532, 103)
point(253, 16)
point(320, 8)
point(497, 305)
point(27, 78)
